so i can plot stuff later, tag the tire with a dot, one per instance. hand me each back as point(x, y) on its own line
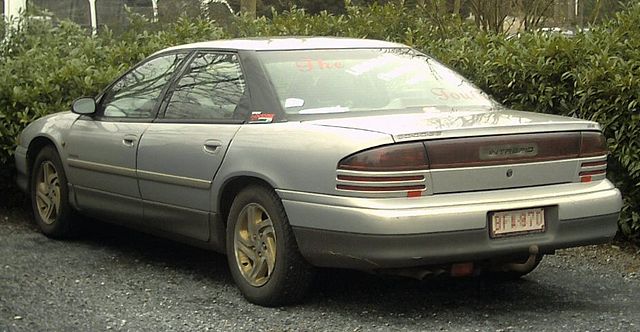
point(50, 195)
point(263, 256)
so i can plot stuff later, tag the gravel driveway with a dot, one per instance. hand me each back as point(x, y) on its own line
point(117, 279)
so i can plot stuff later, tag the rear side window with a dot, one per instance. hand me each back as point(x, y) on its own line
point(210, 89)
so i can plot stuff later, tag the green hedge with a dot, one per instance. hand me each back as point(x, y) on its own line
point(589, 76)
point(45, 67)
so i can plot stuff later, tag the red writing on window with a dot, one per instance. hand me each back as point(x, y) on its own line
point(318, 64)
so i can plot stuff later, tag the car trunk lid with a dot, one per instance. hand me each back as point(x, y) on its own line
point(440, 122)
point(485, 150)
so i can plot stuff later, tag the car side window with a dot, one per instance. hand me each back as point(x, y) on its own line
point(210, 89)
point(135, 94)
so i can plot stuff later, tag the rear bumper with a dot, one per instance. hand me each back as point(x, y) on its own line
point(395, 233)
point(371, 252)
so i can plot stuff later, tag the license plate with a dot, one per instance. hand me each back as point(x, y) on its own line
point(515, 222)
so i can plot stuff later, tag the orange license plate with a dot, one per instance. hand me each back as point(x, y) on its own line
point(516, 222)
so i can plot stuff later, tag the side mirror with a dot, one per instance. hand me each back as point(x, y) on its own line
point(84, 106)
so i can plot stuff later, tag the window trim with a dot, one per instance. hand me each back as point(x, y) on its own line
point(99, 116)
point(160, 117)
point(200, 121)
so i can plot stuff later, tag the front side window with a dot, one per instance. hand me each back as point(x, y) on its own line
point(136, 93)
point(351, 80)
point(211, 88)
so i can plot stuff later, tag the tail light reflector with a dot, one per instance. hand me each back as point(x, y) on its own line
point(501, 150)
point(381, 189)
point(514, 149)
point(594, 163)
point(593, 144)
point(380, 178)
point(597, 172)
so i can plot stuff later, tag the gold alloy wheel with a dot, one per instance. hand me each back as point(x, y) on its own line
point(254, 244)
point(48, 192)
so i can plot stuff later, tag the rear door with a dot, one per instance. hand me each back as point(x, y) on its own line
point(180, 153)
point(102, 148)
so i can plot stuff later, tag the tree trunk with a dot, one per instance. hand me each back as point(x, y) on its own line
point(457, 5)
point(248, 7)
point(571, 12)
point(596, 12)
point(580, 5)
point(558, 12)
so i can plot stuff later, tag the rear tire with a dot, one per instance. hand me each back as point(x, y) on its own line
point(262, 252)
point(50, 195)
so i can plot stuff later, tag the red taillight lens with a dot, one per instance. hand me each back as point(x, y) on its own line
point(380, 178)
point(401, 157)
point(593, 144)
point(501, 150)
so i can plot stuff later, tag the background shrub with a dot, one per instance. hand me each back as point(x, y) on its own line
point(45, 67)
point(593, 75)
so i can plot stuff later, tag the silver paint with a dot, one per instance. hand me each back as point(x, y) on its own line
point(170, 177)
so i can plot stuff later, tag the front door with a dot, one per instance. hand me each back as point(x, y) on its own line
point(102, 148)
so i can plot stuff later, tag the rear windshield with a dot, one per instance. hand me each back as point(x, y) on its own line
point(358, 80)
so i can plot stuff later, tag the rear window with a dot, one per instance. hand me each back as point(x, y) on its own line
point(358, 80)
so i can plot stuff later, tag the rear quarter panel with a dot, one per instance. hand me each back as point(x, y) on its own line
point(293, 155)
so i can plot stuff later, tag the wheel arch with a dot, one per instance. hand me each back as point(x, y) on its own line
point(35, 146)
point(230, 190)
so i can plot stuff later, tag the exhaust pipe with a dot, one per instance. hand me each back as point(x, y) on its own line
point(526, 266)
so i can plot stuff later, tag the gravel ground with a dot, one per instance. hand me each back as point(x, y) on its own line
point(117, 279)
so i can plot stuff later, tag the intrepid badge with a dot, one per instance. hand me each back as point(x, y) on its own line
point(509, 151)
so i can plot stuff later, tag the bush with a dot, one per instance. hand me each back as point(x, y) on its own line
point(393, 22)
point(589, 76)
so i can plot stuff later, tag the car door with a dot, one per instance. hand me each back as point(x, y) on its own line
point(181, 151)
point(102, 148)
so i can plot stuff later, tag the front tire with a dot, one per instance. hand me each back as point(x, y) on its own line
point(50, 195)
point(262, 251)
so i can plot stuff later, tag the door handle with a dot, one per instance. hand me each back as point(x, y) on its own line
point(212, 146)
point(129, 140)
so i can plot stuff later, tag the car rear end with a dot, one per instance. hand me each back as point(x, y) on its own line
point(479, 200)
point(462, 180)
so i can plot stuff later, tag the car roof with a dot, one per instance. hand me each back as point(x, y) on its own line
point(286, 43)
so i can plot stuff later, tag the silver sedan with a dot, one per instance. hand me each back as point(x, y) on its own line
point(290, 154)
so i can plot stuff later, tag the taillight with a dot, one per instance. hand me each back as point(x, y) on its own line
point(387, 170)
point(593, 144)
point(502, 150)
point(400, 157)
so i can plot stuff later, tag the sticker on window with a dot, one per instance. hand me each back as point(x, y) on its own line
point(258, 117)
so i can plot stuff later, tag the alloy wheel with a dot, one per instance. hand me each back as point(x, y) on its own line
point(255, 244)
point(48, 192)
